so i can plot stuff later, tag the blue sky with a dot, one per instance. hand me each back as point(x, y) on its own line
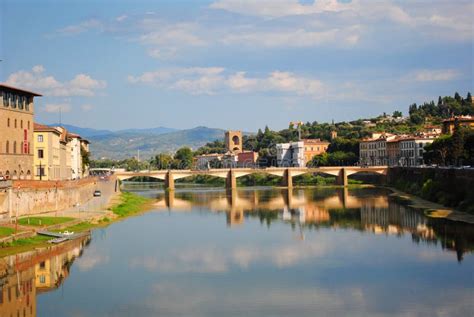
point(233, 64)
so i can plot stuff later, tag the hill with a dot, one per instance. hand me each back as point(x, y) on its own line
point(125, 144)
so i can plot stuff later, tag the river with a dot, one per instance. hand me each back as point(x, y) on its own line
point(253, 252)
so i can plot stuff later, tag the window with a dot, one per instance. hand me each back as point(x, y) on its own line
point(14, 147)
point(12, 101)
point(28, 125)
point(40, 171)
point(21, 124)
point(8, 122)
point(40, 138)
point(40, 153)
point(15, 123)
point(21, 102)
point(42, 279)
point(7, 147)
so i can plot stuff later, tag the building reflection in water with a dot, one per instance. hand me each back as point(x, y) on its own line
point(307, 209)
point(25, 275)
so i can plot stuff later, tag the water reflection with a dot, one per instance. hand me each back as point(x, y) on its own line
point(25, 275)
point(253, 252)
point(367, 210)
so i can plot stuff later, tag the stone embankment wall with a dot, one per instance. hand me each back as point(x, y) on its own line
point(27, 197)
point(451, 187)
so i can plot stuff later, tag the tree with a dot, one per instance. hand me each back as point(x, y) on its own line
point(183, 159)
point(162, 161)
point(86, 159)
point(397, 114)
point(438, 151)
point(415, 118)
point(457, 148)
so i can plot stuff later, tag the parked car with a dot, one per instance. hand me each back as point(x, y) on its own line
point(97, 193)
point(2, 178)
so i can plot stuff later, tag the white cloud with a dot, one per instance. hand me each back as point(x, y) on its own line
point(212, 80)
point(296, 37)
point(279, 8)
point(81, 27)
point(435, 75)
point(57, 107)
point(80, 85)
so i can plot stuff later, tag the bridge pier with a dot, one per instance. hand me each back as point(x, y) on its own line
point(341, 178)
point(287, 178)
point(231, 180)
point(169, 181)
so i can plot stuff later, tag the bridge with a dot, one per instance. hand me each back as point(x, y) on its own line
point(231, 174)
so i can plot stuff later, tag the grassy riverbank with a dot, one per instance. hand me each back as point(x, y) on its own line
point(129, 204)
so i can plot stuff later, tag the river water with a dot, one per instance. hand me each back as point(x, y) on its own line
point(254, 252)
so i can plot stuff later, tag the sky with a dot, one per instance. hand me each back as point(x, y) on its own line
point(233, 64)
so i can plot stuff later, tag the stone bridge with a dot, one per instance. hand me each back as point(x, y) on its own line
point(231, 174)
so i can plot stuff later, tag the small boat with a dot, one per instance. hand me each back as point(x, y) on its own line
point(58, 240)
point(67, 233)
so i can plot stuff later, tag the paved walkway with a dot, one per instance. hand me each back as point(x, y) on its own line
point(95, 208)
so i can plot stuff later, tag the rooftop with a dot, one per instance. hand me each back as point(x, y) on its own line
point(8, 87)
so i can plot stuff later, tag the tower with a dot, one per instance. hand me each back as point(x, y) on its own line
point(233, 141)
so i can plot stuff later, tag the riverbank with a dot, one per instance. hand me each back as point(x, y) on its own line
point(121, 206)
point(429, 208)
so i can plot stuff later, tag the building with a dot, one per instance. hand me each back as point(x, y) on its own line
point(464, 121)
point(206, 161)
point(47, 149)
point(16, 132)
point(233, 141)
point(313, 147)
point(58, 153)
point(300, 153)
point(247, 159)
point(373, 150)
point(64, 154)
point(393, 151)
point(291, 154)
point(412, 149)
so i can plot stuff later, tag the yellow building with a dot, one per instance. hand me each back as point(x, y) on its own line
point(47, 152)
point(16, 132)
point(464, 121)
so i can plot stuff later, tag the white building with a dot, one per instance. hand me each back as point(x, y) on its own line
point(76, 157)
point(290, 154)
point(412, 149)
point(206, 160)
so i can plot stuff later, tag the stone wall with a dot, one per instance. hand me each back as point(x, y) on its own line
point(34, 197)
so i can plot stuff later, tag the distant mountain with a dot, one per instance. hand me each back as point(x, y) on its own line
point(84, 132)
point(126, 143)
point(88, 132)
point(158, 130)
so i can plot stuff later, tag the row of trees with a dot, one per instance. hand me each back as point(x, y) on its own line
point(456, 149)
point(445, 108)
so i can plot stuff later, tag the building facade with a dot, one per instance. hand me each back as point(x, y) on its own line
point(47, 149)
point(394, 150)
point(300, 153)
point(16, 132)
point(58, 154)
point(412, 150)
point(464, 121)
point(373, 150)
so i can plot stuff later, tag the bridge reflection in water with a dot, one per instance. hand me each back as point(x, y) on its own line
point(307, 209)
